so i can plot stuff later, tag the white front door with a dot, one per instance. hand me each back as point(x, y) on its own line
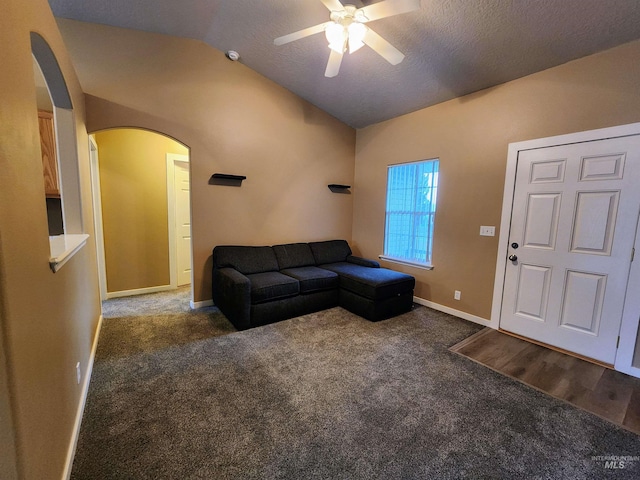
point(575, 213)
point(183, 222)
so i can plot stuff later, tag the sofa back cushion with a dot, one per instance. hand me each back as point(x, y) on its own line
point(293, 255)
point(246, 260)
point(331, 251)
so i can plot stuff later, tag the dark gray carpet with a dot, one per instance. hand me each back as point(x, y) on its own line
point(177, 394)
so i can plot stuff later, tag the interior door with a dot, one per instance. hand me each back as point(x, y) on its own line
point(575, 213)
point(183, 222)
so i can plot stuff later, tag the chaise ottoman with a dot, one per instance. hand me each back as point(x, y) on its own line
point(365, 289)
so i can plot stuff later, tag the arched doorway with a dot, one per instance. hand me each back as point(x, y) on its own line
point(141, 197)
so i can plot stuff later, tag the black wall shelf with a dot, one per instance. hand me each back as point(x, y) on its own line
point(338, 188)
point(225, 176)
point(226, 179)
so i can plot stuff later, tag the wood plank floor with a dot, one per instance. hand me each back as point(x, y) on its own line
point(611, 395)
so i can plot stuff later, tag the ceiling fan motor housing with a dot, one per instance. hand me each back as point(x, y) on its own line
point(347, 16)
point(347, 29)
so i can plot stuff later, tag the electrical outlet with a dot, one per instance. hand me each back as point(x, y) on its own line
point(78, 373)
point(487, 231)
point(456, 295)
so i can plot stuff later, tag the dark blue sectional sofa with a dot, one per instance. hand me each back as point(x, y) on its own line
point(254, 286)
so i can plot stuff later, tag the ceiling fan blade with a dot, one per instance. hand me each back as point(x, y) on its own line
point(383, 48)
point(301, 34)
point(333, 5)
point(388, 8)
point(333, 65)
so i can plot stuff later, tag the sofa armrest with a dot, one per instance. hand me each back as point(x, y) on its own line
point(365, 262)
point(232, 295)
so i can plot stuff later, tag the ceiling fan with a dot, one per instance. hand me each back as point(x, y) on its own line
point(347, 30)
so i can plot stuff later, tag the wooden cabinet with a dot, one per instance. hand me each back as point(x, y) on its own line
point(49, 154)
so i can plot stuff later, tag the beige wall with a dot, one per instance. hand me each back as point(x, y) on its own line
point(133, 186)
point(47, 320)
point(234, 121)
point(8, 465)
point(470, 135)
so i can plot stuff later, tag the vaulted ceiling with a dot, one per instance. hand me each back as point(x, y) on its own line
point(452, 47)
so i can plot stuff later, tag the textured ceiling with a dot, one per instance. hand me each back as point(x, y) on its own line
point(452, 47)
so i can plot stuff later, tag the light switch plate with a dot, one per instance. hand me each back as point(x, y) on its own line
point(487, 231)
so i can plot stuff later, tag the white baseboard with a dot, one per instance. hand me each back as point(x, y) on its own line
point(204, 303)
point(71, 452)
point(452, 311)
point(139, 291)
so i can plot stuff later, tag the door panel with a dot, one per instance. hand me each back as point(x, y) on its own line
point(542, 220)
point(547, 172)
point(183, 222)
point(533, 291)
point(594, 222)
point(574, 219)
point(583, 296)
point(602, 167)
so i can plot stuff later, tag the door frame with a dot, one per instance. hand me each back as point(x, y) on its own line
point(630, 315)
point(94, 166)
point(172, 158)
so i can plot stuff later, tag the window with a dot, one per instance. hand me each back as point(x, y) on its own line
point(64, 208)
point(410, 212)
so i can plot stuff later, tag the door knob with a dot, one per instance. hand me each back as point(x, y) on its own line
point(513, 258)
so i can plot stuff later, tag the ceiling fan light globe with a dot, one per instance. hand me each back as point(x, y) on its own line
point(355, 46)
point(335, 33)
point(357, 31)
point(339, 47)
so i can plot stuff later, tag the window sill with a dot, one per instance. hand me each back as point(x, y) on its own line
point(424, 266)
point(63, 247)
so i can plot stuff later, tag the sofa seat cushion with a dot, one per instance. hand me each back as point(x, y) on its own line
point(373, 283)
point(269, 286)
point(313, 279)
point(294, 255)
